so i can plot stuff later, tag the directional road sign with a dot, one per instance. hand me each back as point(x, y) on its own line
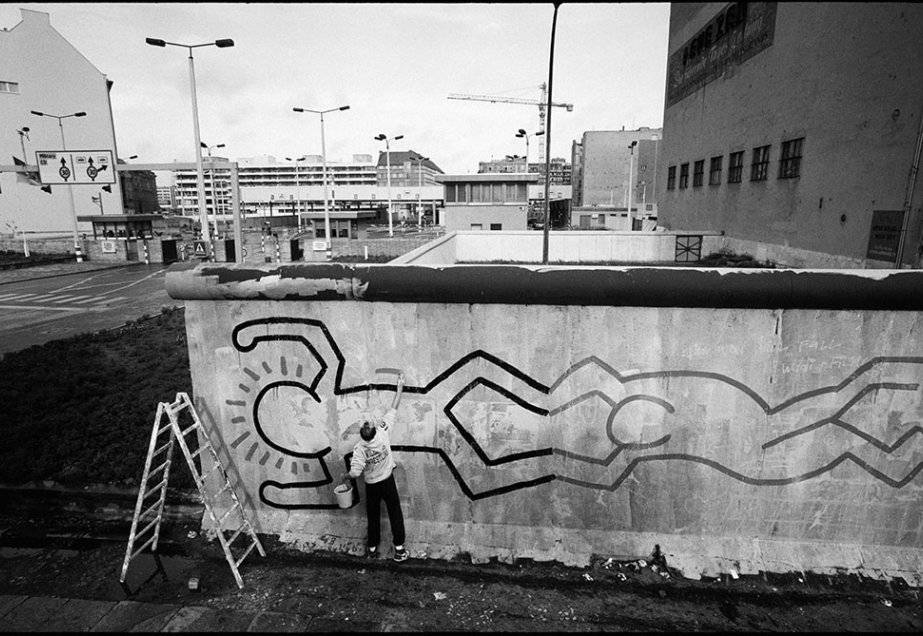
point(75, 166)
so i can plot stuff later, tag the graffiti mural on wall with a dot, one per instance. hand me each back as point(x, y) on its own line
point(868, 420)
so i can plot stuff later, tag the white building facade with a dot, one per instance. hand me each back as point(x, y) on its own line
point(41, 71)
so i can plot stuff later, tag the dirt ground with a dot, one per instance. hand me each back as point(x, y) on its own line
point(71, 545)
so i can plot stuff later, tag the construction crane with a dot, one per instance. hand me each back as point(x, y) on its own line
point(541, 103)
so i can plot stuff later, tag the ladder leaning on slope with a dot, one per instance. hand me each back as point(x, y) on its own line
point(165, 436)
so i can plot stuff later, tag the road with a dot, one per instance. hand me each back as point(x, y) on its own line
point(37, 311)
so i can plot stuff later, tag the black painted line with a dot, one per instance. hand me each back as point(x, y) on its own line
point(235, 403)
point(244, 388)
point(257, 424)
point(610, 420)
point(283, 368)
point(264, 458)
point(606, 461)
point(254, 376)
point(279, 462)
point(266, 367)
point(874, 441)
point(582, 398)
point(238, 420)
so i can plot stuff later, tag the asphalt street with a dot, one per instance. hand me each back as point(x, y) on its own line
point(60, 303)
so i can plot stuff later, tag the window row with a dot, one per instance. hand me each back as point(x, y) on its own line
point(486, 193)
point(789, 166)
point(9, 87)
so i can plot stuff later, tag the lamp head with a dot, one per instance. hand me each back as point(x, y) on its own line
point(155, 42)
point(379, 136)
point(344, 107)
point(39, 113)
point(398, 137)
point(80, 114)
point(25, 129)
point(221, 44)
point(220, 146)
point(539, 133)
point(298, 110)
point(203, 144)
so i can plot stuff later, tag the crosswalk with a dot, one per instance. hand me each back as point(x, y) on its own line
point(56, 300)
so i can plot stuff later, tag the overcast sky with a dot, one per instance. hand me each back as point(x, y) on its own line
point(393, 64)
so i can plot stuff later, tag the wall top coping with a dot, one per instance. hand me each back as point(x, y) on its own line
point(751, 288)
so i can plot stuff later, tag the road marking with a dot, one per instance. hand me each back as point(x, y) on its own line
point(9, 297)
point(43, 307)
point(88, 300)
point(65, 299)
point(111, 300)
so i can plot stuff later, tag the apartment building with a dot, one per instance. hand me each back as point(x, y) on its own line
point(408, 168)
point(794, 128)
point(604, 160)
point(559, 168)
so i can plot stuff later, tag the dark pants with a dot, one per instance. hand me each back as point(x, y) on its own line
point(374, 493)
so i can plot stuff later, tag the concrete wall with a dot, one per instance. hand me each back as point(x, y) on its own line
point(40, 245)
point(563, 247)
point(755, 419)
point(857, 104)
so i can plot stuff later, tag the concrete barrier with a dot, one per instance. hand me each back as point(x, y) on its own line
point(761, 420)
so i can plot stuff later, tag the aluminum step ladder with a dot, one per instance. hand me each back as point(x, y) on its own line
point(163, 437)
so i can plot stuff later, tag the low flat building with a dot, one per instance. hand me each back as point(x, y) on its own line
point(486, 201)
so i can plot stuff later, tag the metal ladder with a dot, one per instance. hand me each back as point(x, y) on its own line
point(162, 440)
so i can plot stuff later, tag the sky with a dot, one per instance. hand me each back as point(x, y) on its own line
point(393, 64)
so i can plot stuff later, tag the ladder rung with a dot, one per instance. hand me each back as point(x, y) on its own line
point(153, 507)
point(139, 550)
point(154, 489)
point(202, 449)
point(195, 425)
point(147, 527)
point(160, 431)
point(154, 471)
point(234, 536)
point(241, 560)
point(228, 513)
point(160, 449)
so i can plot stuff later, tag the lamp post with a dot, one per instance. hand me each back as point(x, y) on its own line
point(297, 187)
point(524, 135)
point(631, 165)
point(70, 187)
point(23, 134)
point(323, 154)
point(554, 25)
point(200, 178)
point(383, 137)
point(420, 161)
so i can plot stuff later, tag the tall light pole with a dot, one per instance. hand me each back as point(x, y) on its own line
point(420, 161)
point(383, 137)
point(200, 177)
point(631, 165)
point(323, 154)
point(554, 24)
point(297, 188)
point(523, 134)
point(70, 187)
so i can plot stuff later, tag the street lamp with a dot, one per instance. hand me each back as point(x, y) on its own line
point(200, 177)
point(631, 165)
point(70, 187)
point(384, 137)
point(323, 154)
point(524, 135)
point(297, 188)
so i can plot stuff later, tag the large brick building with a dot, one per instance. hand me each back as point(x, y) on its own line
point(793, 128)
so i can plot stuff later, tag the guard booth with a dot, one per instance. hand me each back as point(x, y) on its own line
point(296, 249)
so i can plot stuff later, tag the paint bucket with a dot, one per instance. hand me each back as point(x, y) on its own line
point(344, 494)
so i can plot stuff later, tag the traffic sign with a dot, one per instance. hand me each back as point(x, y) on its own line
point(199, 250)
point(75, 167)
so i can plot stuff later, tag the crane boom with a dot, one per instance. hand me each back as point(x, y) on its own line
point(508, 100)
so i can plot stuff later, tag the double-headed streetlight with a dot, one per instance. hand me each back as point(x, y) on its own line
point(323, 154)
point(297, 188)
point(383, 137)
point(524, 135)
point(203, 213)
point(70, 190)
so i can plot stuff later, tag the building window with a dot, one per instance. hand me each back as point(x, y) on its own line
point(697, 173)
point(496, 226)
point(671, 178)
point(684, 176)
point(9, 87)
point(477, 226)
point(714, 170)
point(735, 167)
point(790, 163)
point(759, 168)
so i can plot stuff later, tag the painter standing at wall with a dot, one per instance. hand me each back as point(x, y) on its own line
point(372, 458)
